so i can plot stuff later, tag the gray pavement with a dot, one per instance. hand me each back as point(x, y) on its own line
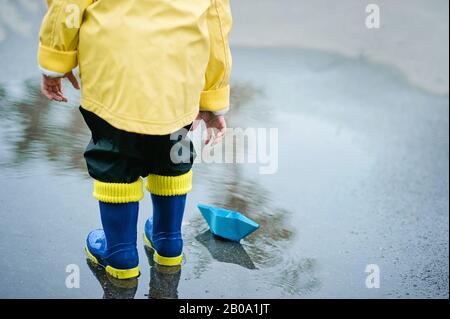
point(363, 178)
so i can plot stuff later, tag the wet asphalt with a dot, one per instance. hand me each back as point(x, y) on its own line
point(362, 179)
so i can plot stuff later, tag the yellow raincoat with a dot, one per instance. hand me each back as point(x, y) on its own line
point(146, 66)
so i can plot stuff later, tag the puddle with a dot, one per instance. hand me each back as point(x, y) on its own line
point(362, 179)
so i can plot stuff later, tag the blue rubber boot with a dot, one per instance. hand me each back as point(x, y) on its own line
point(114, 246)
point(163, 230)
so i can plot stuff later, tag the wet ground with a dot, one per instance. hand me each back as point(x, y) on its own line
point(363, 179)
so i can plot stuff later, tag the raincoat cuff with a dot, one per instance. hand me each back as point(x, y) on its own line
point(215, 100)
point(57, 61)
point(50, 74)
point(222, 112)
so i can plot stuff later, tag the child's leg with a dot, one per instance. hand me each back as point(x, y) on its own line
point(114, 246)
point(167, 218)
point(164, 282)
point(169, 183)
point(112, 161)
point(163, 229)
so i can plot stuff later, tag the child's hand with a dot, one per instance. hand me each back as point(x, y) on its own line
point(215, 125)
point(51, 87)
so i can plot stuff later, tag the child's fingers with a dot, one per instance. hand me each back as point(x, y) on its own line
point(47, 94)
point(47, 91)
point(221, 133)
point(219, 136)
point(62, 97)
point(210, 136)
point(60, 94)
point(51, 92)
point(56, 89)
point(195, 124)
point(71, 77)
point(57, 97)
point(57, 94)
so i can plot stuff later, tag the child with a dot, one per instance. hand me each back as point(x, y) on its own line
point(148, 69)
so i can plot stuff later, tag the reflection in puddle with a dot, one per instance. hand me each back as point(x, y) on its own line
point(35, 130)
point(225, 251)
point(164, 280)
point(114, 288)
point(268, 250)
point(163, 284)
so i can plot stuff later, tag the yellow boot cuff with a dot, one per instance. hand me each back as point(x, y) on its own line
point(169, 185)
point(118, 193)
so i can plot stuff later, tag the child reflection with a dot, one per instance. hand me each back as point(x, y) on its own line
point(163, 280)
point(114, 288)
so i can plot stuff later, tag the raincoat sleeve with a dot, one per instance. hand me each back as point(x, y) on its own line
point(216, 94)
point(58, 39)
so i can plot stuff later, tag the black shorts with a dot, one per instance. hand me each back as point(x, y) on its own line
point(117, 156)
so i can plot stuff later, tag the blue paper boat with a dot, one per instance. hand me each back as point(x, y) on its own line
point(227, 223)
